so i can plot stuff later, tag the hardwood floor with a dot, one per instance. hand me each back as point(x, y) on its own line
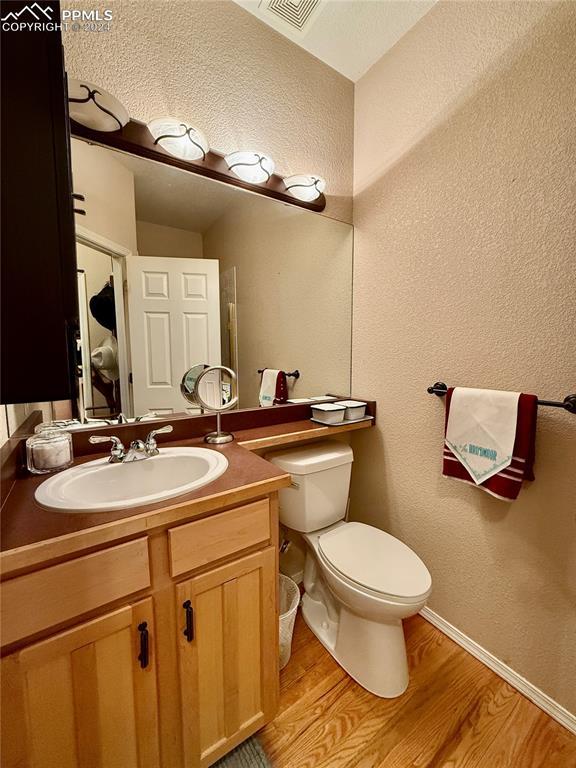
point(456, 713)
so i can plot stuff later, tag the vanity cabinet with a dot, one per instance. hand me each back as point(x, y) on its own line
point(84, 697)
point(228, 667)
point(122, 690)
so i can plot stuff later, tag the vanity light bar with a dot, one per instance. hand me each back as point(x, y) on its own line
point(100, 111)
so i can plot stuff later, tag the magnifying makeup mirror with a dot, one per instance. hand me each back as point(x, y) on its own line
point(188, 383)
point(212, 388)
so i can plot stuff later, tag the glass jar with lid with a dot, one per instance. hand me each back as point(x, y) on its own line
point(49, 450)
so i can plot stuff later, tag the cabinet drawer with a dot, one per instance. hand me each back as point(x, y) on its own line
point(45, 598)
point(205, 541)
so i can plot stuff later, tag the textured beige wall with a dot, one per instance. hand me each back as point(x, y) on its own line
point(158, 240)
point(238, 80)
point(294, 288)
point(406, 95)
point(109, 190)
point(465, 272)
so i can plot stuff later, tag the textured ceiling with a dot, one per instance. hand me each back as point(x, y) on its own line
point(348, 35)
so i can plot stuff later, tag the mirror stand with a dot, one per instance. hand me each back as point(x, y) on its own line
point(218, 437)
point(190, 389)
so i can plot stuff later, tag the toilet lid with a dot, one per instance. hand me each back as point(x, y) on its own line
point(374, 559)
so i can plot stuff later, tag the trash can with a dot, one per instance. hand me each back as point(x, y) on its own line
point(289, 601)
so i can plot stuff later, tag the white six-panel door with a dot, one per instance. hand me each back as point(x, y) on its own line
point(174, 316)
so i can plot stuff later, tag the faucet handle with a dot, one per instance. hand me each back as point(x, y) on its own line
point(118, 451)
point(151, 445)
point(149, 415)
point(160, 431)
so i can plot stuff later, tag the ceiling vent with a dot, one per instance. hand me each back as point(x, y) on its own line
point(297, 14)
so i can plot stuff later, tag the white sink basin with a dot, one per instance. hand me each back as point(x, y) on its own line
point(99, 486)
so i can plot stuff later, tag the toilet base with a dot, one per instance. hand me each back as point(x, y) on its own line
point(316, 617)
point(372, 653)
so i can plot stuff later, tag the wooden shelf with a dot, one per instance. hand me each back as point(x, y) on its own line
point(293, 432)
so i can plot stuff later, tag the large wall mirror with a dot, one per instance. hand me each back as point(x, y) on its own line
point(175, 269)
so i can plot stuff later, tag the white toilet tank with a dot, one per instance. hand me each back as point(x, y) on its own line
point(318, 496)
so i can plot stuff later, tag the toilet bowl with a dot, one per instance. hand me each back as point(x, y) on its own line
point(359, 581)
point(369, 596)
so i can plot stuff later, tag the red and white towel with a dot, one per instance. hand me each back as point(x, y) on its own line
point(506, 483)
point(273, 388)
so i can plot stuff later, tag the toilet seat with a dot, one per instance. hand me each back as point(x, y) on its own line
point(375, 562)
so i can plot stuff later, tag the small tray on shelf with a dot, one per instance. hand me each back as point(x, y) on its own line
point(343, 422)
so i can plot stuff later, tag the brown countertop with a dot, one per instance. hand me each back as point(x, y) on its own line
point(27, 528)
point(31, 535)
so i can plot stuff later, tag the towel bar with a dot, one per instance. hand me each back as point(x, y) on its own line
point(569, 402)
point(293, 375)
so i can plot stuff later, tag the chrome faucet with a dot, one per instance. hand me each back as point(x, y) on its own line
point(139, 449)
point(110, 421)
point(136, 452)
point(145, 449)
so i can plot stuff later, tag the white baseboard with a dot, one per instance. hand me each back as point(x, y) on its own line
point(538, 697)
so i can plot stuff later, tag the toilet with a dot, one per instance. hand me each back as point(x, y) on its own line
point(359, 582)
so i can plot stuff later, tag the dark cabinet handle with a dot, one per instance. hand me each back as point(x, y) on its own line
point(76, 196)
point(81, 211)
point(189, 631)
point(144, 656)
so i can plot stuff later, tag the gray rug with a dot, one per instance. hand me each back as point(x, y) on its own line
point(249, 754)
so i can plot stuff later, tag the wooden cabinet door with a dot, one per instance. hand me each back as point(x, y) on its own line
point(82, 699)
point(228, 655)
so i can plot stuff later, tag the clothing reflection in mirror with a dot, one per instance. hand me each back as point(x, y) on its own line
point(104, 357)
